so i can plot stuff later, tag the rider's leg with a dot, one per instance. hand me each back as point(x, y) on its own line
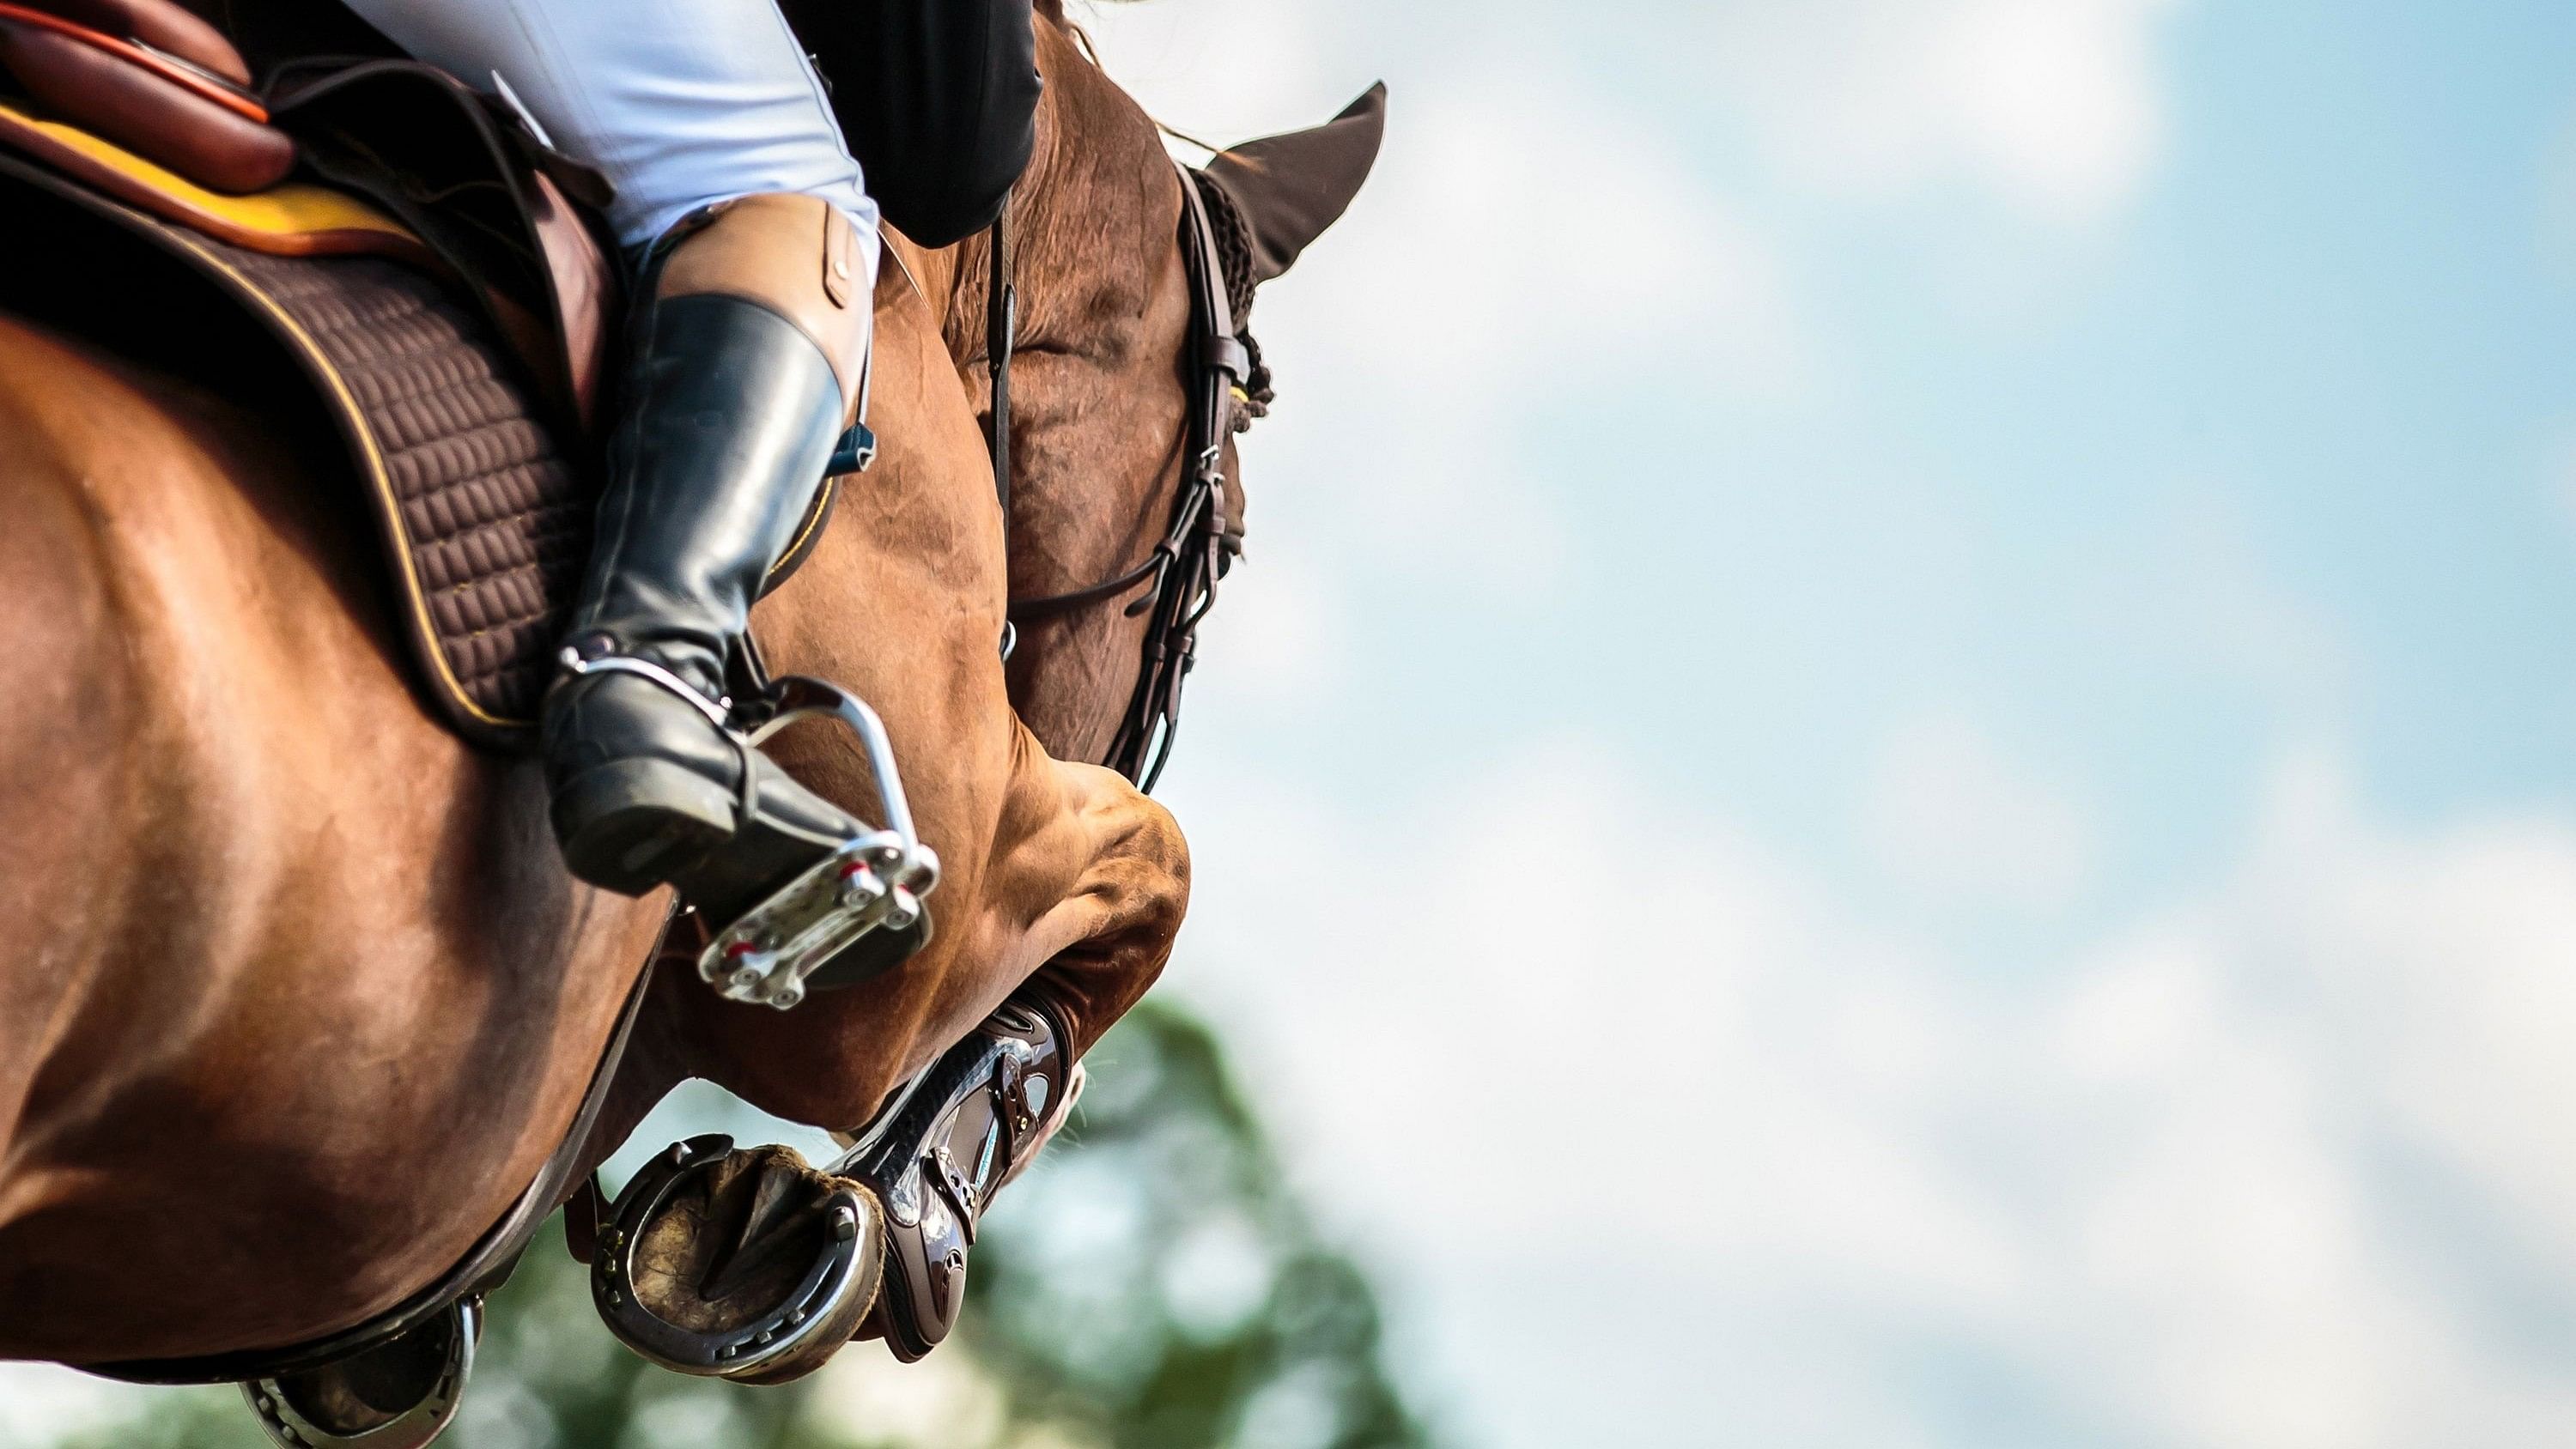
point(679, 102)
point(745, 368)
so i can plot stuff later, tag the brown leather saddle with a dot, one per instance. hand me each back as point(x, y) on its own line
point(364, 250)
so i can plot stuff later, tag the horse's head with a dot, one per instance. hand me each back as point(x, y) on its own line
point(1101, 383)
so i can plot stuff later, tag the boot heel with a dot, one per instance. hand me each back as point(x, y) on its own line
point(632, 825)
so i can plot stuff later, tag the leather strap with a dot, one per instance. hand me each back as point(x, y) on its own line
point(1193, 548)
point(1050, 605)
point(1197, 539)
point(1001, 334)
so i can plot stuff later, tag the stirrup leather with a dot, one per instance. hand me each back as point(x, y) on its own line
point(875, 881)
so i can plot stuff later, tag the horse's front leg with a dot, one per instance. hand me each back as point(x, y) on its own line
point(1092, 953)
point(1068, 921)
point(1102, 892)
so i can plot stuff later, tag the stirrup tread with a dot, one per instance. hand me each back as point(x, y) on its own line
point(871, 882)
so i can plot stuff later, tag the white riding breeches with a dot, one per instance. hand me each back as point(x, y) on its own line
point(680, 103)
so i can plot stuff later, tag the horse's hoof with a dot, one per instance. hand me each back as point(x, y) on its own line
point(398, 1395)
point(740, 1264)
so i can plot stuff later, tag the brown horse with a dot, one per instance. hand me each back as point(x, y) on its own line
point(300, 998)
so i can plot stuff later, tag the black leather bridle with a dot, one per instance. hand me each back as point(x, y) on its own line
point(1197, 548)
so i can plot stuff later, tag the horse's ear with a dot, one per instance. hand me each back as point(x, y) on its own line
point(1289, 188)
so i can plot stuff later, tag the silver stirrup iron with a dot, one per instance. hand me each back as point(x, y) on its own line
point(408, 1397)
point(875, 881)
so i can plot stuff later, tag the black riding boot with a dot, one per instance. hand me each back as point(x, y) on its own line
point(732, 412)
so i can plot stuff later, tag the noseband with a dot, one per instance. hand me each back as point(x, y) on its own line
point(1196, 549)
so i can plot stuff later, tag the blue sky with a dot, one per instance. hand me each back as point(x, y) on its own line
point(1890, 768)
point(2308, 347)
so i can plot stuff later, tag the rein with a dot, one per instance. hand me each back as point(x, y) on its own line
point(1194, 552)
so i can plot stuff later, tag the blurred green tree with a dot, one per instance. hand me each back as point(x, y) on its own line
point(1151, 1284)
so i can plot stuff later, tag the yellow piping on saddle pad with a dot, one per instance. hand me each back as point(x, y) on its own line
point(294, 219)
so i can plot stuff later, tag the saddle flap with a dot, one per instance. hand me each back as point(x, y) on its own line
point(184, 108)
point(424, 146)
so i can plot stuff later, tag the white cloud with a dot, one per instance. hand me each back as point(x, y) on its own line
point(1225, 70)
point(2055, 105)
point(1284, 642)
point(1519, 254)
point(1527, 244)
point(1542, 239)
point(1953, 817)
point(1631, 1109)
point(2212, 588)
point(1561, 1040)
point(2326, 1090)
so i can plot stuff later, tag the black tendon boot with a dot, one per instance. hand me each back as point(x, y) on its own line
point(736, 396)
point(957, 1135)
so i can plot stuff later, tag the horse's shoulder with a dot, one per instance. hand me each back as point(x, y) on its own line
point(68, 426)
point(57, 398)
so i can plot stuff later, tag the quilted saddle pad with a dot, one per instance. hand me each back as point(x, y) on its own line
point(484, 513)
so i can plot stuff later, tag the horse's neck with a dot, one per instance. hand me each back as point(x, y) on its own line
point(931, 273)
